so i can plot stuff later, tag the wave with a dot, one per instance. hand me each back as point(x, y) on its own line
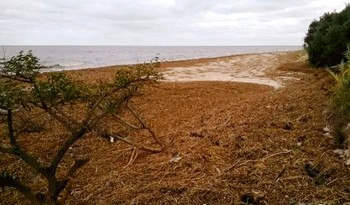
point(58, 58)
point(52, 66)
point(60, 67)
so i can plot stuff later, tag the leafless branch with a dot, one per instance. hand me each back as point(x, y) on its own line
point(140, 146)
point(7, 181)
point(25, 157)
point(57, 117)
point(64, 115)
point(77, 164)
point(133, 157)
point(16, 78)
point(262, 159)
point(281, 174)
point(143, 124)
point(127, 123)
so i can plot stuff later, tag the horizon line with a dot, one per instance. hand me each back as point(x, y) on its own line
point(150, 45)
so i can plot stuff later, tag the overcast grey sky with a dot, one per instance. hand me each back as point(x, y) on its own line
point(159, 22)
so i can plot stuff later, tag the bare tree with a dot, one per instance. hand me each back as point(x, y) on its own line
point(23, 92)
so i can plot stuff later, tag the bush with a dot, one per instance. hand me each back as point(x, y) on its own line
point(327, 38)
point(60, 107)
point(340, 104)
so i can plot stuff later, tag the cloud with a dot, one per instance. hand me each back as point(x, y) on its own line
point(159, 22)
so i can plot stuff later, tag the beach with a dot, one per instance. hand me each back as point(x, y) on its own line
point(250, 68)
point(246, 68)
point(232, 126)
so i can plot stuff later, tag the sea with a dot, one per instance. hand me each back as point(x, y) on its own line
point(58, 58)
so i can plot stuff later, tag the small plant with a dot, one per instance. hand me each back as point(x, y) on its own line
point(340, 107)
point(31, 103)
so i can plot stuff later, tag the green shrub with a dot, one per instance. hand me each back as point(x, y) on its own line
point(327, 38)
point(340, 107)
point(341, 98)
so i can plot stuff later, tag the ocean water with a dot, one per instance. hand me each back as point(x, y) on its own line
point(79, 57)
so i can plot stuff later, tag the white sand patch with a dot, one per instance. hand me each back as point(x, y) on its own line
point(241, 68)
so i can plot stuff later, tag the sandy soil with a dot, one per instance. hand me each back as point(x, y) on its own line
point(251, 68)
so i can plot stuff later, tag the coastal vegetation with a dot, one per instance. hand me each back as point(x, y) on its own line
point(44, 116)
point(327, 38)
point(339, 114)
point(328, 44)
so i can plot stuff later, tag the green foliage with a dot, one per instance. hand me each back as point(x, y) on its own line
point(59, 89)
point(54, 97)
point(327, 38)
point(340, 107)
point(341, 98)
point(10, 95)
point(24, 67)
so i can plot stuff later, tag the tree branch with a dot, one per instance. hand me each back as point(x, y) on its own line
point(15, 77)
point(25, 157)
point(56, 160)
point(7, 181)
point(97, 104)
point(77, 164)
point(10, 128)
point(6, 150)
point(144, 125)
point(16, 150)
point(64, 115)
point(58, 118)
point(127, 123)
point(143, 147)
point(49, 110)
point(110, 92)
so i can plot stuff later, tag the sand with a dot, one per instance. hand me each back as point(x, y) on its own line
point(252, 68)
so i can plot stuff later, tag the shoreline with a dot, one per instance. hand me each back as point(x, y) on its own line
point(49, 69)
point(84, 57)
point(256, 68)
point(174, 63)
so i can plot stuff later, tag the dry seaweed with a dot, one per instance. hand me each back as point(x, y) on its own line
point(243, 147)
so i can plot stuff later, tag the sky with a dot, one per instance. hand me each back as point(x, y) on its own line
point(159, 22)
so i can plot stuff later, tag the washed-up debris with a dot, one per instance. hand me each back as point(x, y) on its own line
point(252, 197)
point(287, 126)
point(176, 158)
point(302, 138)
point(326, 129)
point(343, 154)
point(304, 118)
point(311, 170)
point(320, 175)
point(248, 199)
point(195, 134)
